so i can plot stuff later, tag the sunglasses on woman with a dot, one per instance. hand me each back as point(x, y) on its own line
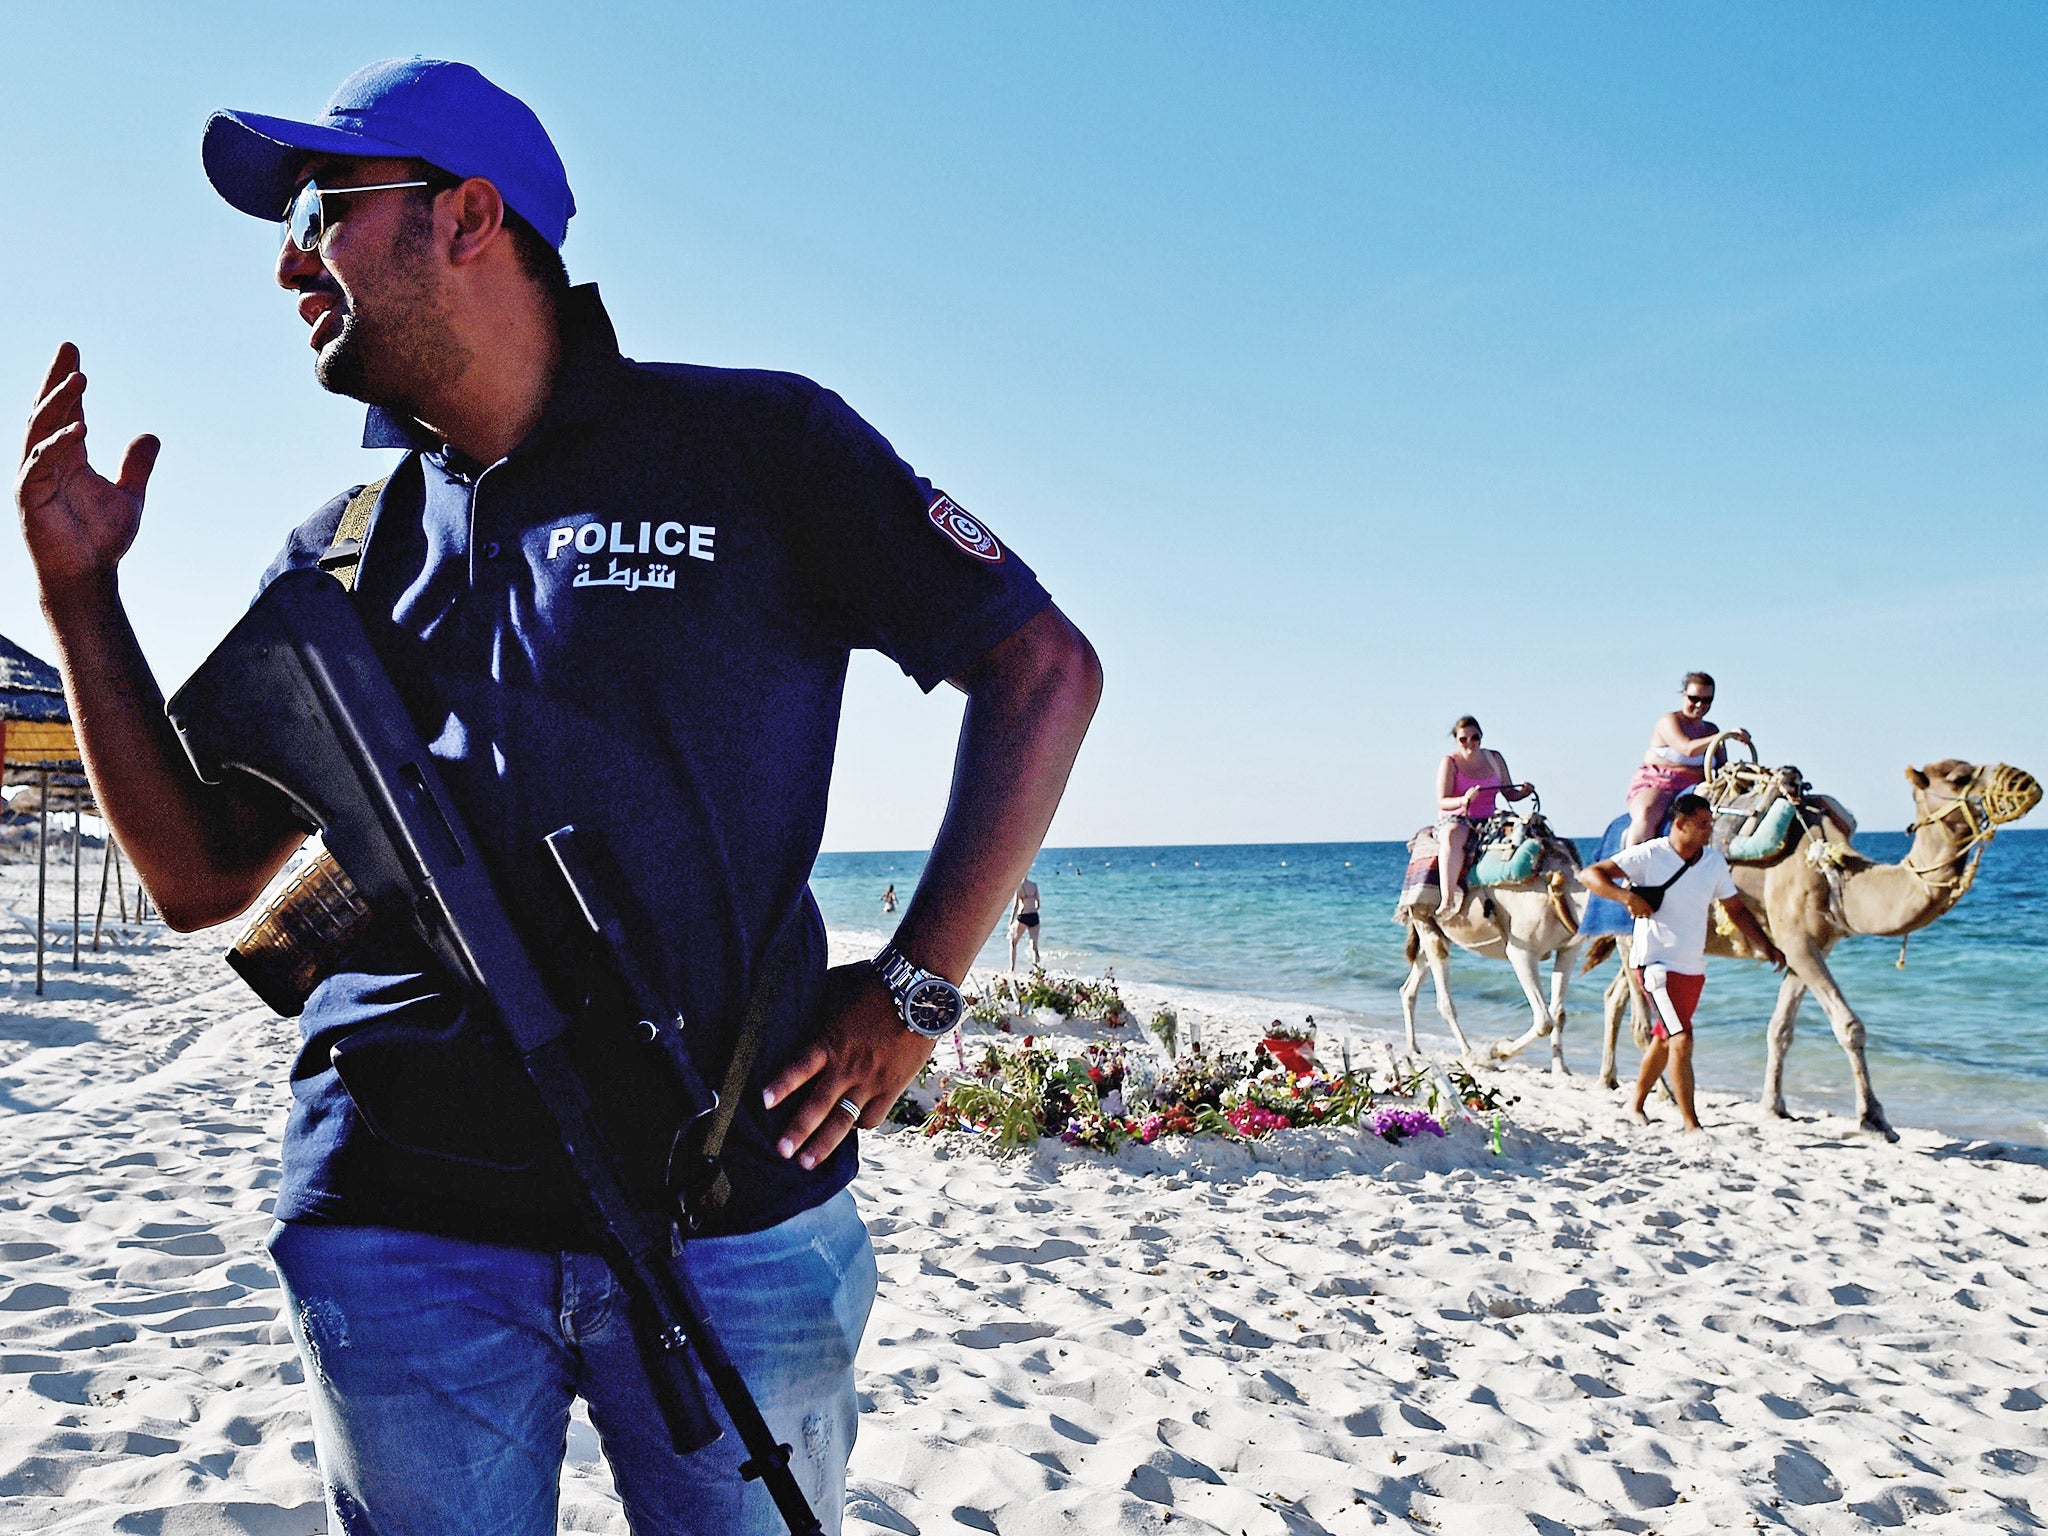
point(305, 220)
point(1703, 700)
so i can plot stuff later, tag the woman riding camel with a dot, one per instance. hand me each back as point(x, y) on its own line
point(1675, 761)
point(1469, 783)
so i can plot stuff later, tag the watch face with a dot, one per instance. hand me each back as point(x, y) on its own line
point(932, 1006)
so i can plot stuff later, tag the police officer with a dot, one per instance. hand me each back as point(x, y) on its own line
point(627, 593)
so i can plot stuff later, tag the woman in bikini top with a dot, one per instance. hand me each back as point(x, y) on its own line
point(1470, 783)
point(1673, 762)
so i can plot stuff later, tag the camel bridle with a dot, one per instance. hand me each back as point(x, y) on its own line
point(1988, 799)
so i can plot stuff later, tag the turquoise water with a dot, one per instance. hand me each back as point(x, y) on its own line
point(1958, 1039)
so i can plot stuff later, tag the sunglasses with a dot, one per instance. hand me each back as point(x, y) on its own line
point(305, 221)
point(1701, 699)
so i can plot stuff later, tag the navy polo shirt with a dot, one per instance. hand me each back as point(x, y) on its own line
point(637, 623)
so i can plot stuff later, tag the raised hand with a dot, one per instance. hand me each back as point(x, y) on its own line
point(78, 524)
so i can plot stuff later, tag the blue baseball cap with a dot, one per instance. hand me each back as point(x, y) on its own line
point(435, 110)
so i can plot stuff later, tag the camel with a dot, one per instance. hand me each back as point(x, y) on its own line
point(1524, 923)
point(1820, 890)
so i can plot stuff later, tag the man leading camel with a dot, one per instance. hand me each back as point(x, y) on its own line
point(627, 593)
point(1672, 885)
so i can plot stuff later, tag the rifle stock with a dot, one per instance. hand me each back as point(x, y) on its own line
point(296, 697)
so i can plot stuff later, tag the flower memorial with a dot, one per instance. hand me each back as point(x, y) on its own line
point(1165, 1027)
point(1105, 1094)
point(1005, 999)
point(1294, 1048)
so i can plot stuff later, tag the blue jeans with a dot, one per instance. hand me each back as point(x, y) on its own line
point(442, 1373)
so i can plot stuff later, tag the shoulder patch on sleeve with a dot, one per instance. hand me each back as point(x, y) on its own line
point(966, 532)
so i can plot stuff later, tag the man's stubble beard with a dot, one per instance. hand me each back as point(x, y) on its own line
point(398, 347)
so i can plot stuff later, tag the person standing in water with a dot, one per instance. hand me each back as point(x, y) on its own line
point(1674, 762)
point(1024, 919)
point(1470, 782)
point(889, 898)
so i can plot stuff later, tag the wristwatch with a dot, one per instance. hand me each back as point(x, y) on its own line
point(930, 1004)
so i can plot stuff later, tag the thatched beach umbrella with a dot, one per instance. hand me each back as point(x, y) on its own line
point(39, 748)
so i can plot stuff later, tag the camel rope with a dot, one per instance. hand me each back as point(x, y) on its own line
point(1831, 859)
point(1992, 797)
point(1560, 908)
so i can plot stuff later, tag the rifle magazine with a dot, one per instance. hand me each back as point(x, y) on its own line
point(300, 938)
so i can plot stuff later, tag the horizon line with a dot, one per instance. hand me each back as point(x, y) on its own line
point(1354, 842)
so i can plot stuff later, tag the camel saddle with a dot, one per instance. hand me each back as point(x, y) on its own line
point(1503, 850)
point(1759, 811)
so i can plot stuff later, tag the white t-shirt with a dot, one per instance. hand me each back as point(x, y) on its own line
point(1675, 935)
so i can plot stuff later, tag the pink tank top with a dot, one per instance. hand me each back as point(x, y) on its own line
point(1482, 805)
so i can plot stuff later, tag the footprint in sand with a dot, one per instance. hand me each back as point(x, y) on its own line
point(995, 1335)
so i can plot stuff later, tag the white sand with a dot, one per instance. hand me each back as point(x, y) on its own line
point(1791, 1327)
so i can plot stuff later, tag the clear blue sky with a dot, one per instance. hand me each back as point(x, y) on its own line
point(1342, 369)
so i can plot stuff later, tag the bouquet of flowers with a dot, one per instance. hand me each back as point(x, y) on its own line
point(1071, 997)
point(995, 1001)
point(1397, 1125)
point(1103, 1094)
point(1477, 1096)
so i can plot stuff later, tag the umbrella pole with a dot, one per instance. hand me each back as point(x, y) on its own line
point(99, 917)
point(42, 870)
point(77, 871)
point(120, 879)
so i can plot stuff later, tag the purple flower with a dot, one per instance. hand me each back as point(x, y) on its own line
point(1396, 1125)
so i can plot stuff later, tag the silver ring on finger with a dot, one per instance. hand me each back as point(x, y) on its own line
point(852, 1110)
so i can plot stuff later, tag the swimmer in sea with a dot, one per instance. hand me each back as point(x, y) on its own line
point(1024, 919)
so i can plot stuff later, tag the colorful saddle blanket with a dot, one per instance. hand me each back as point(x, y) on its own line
point(1507, 858)
point(1604, 917)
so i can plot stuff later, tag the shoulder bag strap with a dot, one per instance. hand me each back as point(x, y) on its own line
point(1662, 886)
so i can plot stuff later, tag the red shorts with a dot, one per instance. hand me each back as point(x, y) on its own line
point(1684, 991)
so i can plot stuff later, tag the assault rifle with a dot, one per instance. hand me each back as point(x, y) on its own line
point(296, 697)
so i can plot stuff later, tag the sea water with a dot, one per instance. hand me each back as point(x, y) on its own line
point(1958, 1040)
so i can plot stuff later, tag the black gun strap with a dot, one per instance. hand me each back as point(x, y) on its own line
point(342, 560)
point(344, 556)
point(740, 1068)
